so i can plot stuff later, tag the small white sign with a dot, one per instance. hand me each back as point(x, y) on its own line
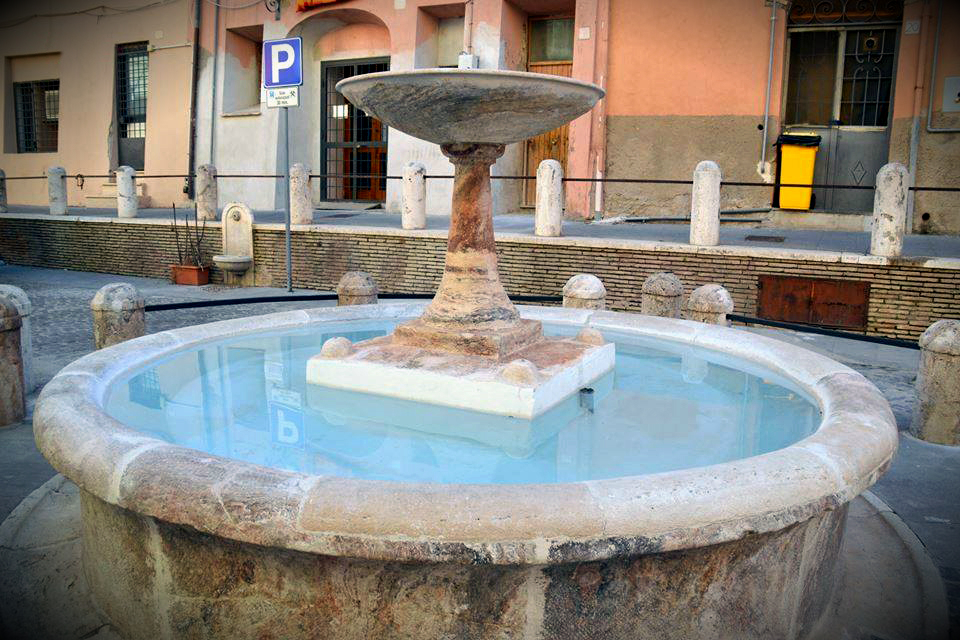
point(911, 27)
point(283, 97)
point(287, 397)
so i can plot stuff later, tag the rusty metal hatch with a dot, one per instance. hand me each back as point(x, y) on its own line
point(828, 303)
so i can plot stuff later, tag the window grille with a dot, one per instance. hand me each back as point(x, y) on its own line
point(132, 90)
point(37, 107)
point(837, 12)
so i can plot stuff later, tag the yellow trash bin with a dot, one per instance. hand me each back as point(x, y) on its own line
point(798, 155)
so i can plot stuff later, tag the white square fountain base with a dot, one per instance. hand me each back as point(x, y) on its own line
point(382, 367)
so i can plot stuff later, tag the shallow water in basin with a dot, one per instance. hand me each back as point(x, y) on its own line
point(665, 407)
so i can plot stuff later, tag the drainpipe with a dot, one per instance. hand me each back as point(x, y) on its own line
point(468, 27)
point(917, 108)
point(766, 104)
point(933, 77)
point(188, 186)
point(213, 83)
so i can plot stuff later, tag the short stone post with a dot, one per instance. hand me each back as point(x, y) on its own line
point(12, 395)
point(20, 300)
point(584, 291)
point(548, 216)
point(705, 205)
point(889, 210)
point(710, 303)
point(57, 190)
point(937, 414)
point(126, 192)
point(206, 194)
point(356, 287)
point(661, 295)
point(413, 196)
point(301, 199)
point(117, 314)
point(3, 191)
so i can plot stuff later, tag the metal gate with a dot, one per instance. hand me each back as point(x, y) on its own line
point(131, 92)
point(840, 86)
point(353, 144)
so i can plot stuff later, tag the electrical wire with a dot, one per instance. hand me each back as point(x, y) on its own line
point(86, 12)
point(239, 6)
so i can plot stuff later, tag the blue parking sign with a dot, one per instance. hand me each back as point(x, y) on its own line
point(282, 63)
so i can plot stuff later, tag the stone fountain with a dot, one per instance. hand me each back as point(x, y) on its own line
point(470, 348)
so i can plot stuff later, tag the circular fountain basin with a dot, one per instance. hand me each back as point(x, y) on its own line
point(183, 542)
point(448, 106)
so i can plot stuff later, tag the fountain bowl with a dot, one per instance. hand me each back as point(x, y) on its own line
point(449, 106)
point(179, 542)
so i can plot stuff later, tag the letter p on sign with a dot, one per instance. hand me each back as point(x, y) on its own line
point(283, 63)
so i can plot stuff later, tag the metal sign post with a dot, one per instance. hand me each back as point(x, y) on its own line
point(282, 77)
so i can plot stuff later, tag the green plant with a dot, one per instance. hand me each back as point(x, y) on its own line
point(189, 251)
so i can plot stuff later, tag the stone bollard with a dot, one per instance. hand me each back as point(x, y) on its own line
point(117, 314)
point(584, 291)
point(413, 196)
point(889, 210)
point(301, 198)
point(705, 205)
point(661, 295)
point(20, 300)
point(126, 192)
point(356, 287)
point(12, 394)
point(3, 191)
point(710, 303)
point(937, 414)
point(548, 218)
point(205, 193)
point(57, 190)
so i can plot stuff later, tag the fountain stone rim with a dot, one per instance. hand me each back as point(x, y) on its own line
point(501, 524)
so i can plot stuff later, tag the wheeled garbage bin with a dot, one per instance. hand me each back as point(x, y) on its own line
point(797, 155)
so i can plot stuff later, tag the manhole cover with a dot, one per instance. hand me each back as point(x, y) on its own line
point(765, 238)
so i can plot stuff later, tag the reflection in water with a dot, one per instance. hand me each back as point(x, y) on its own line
point(665, 407)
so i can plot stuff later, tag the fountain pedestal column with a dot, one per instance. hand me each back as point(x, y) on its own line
point(471, 313)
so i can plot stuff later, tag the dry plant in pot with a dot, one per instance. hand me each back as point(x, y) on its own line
point(189, 268)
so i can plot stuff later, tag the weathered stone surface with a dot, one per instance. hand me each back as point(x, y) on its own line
point(705, 204)
point(584, 291)
point(661, 295)
point(338, 347)
point(57, 190)
point(12, 397)
point(206, 193)
point(937, 416)
point(413, 202)
point(356, 287)
point(548, 216)
point(889, 210)
point(237, 234)
point(710, 303)
point(156, 579)
point(470, 106)
point(127, 201)
point(22, 302)
point(301, 198)
point(117, 314)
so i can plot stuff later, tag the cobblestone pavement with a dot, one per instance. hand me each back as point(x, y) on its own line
point(921, 486)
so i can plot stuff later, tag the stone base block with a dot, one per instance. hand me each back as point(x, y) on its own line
point(498, 343)
point(539, 377)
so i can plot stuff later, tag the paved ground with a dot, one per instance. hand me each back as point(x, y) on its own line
point(921, 487)
point(849, 241)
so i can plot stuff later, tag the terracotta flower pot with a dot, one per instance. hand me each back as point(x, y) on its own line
point(189, 274)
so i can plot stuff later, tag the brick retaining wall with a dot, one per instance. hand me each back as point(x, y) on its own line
point(906, 296)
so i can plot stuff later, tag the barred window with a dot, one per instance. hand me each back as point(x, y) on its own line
point(37, 107)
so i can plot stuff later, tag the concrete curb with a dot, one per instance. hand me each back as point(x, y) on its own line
point(936, 611)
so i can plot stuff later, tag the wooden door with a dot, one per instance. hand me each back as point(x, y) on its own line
point(828, 303)
point(551, 145)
